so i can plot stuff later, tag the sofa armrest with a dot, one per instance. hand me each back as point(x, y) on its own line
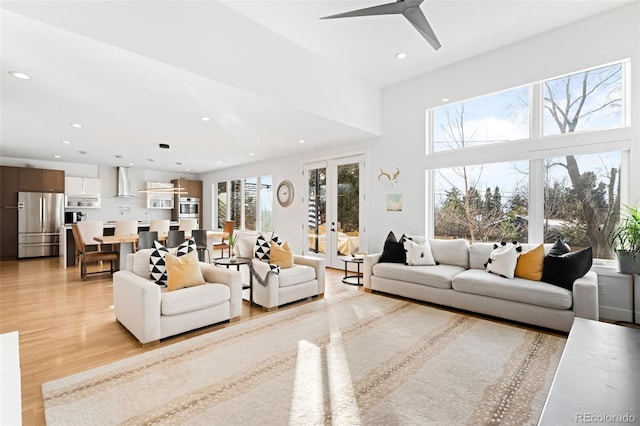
point(229, 277)
point(585, 297)
point(317, 264)
point(367, 273)
point(136, 304)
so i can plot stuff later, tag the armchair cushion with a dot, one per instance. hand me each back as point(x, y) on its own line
point(296, 275)
point(183, 271)
point(193, 298)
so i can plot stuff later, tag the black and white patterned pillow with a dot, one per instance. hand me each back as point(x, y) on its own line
point(274, 268)
point(262, 248)
point(157, 265)
point(275, 238)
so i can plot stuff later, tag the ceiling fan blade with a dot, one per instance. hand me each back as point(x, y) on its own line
point(419, 21)
point(383, 9)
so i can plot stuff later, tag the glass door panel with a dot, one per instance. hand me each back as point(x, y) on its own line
point(317, 209)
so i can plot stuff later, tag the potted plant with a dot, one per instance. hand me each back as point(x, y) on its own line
point(625, 240)
point(233, 239)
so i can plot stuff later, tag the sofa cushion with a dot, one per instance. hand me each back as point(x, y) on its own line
point(563, 270)
point(504, 258)
point(393, 251)
point(183, 271)
point(439, 276)
point(418, 253)
point(479, 253)
point(476, 281)
point(297, 274)
point(193, 298)
point(451, 252)
point(530, 264)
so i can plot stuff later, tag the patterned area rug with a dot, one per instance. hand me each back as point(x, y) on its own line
point(354, 359)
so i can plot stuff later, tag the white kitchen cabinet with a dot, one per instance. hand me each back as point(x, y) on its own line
point(82, 186)
point(82, 192)
point(163, 198)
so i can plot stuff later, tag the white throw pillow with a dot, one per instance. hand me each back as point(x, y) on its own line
point(451, 252)
point(418, 253)
point(504, 258)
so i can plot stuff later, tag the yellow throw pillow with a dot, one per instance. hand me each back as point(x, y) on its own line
point(530, 264)
point(183, 271)
point(281, 255)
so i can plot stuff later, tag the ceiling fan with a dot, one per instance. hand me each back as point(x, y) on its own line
point(409, 8)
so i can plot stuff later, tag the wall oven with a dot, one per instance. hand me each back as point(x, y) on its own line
point(188, 207)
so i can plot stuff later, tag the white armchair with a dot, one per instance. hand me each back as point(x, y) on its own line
point(151, 313)
point(305, 279)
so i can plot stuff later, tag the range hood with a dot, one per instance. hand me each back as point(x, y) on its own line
point(124, 182)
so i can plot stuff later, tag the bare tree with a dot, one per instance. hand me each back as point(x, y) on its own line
point(568, 108)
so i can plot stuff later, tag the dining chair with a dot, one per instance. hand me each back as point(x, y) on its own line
point(89, 229)
point(161, 226)
point(200, 236)
point(175, 238)
point(126, 227)
point(92, 256)
point(146, 239)
point(187, 225)
point(222, 245)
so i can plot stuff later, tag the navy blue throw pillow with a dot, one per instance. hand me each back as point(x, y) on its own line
point(393, 251)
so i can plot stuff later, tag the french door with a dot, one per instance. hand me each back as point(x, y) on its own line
point(334, 221)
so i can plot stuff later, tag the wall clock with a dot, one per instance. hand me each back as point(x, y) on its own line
point(285, 193)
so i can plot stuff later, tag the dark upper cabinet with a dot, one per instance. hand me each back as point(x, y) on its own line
point(30, 179)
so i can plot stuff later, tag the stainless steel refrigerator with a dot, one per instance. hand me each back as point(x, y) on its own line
point(40, 216)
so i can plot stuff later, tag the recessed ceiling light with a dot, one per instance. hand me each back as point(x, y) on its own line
point(56, 156)
point(300, 140)
point(178, 163)
point(131, 164)
point(76, 125)
point(118, 156)
point(219, 162)
point(205, 119)
point(151, 160)
point(250, 154)
point(401, 55)
point(20, 75)
point(445, 99)
point(188, 170)
point(66, 142)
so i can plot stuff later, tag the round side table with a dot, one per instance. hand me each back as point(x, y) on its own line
point(352, 279)
point(227, 261)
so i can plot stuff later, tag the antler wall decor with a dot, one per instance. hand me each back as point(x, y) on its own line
point(393, 178)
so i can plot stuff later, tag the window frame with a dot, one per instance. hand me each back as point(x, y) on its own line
point(241, 224)
point(534, 149)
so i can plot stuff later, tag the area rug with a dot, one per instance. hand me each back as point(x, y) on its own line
point(353, 359)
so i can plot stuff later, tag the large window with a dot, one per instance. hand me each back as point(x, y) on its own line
point(248, 202)
point(482, 203)
point(550, 185)
point(588, 100)
point(485, 120)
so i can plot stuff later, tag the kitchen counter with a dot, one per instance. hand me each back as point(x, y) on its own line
point(111, 224)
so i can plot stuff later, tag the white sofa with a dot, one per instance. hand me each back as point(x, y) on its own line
point(305, 279)
point(151, 313)
point(461, 281)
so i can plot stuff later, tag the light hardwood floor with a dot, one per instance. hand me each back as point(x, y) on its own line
point(67, 325)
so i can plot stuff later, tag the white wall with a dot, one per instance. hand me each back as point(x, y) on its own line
point(112, 207)
point(604, 38)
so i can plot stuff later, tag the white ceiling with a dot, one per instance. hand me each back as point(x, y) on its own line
point(267, 73)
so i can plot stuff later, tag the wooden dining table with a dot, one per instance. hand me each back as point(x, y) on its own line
point(125, 242)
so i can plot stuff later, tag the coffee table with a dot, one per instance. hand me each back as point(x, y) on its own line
point(237, 261)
